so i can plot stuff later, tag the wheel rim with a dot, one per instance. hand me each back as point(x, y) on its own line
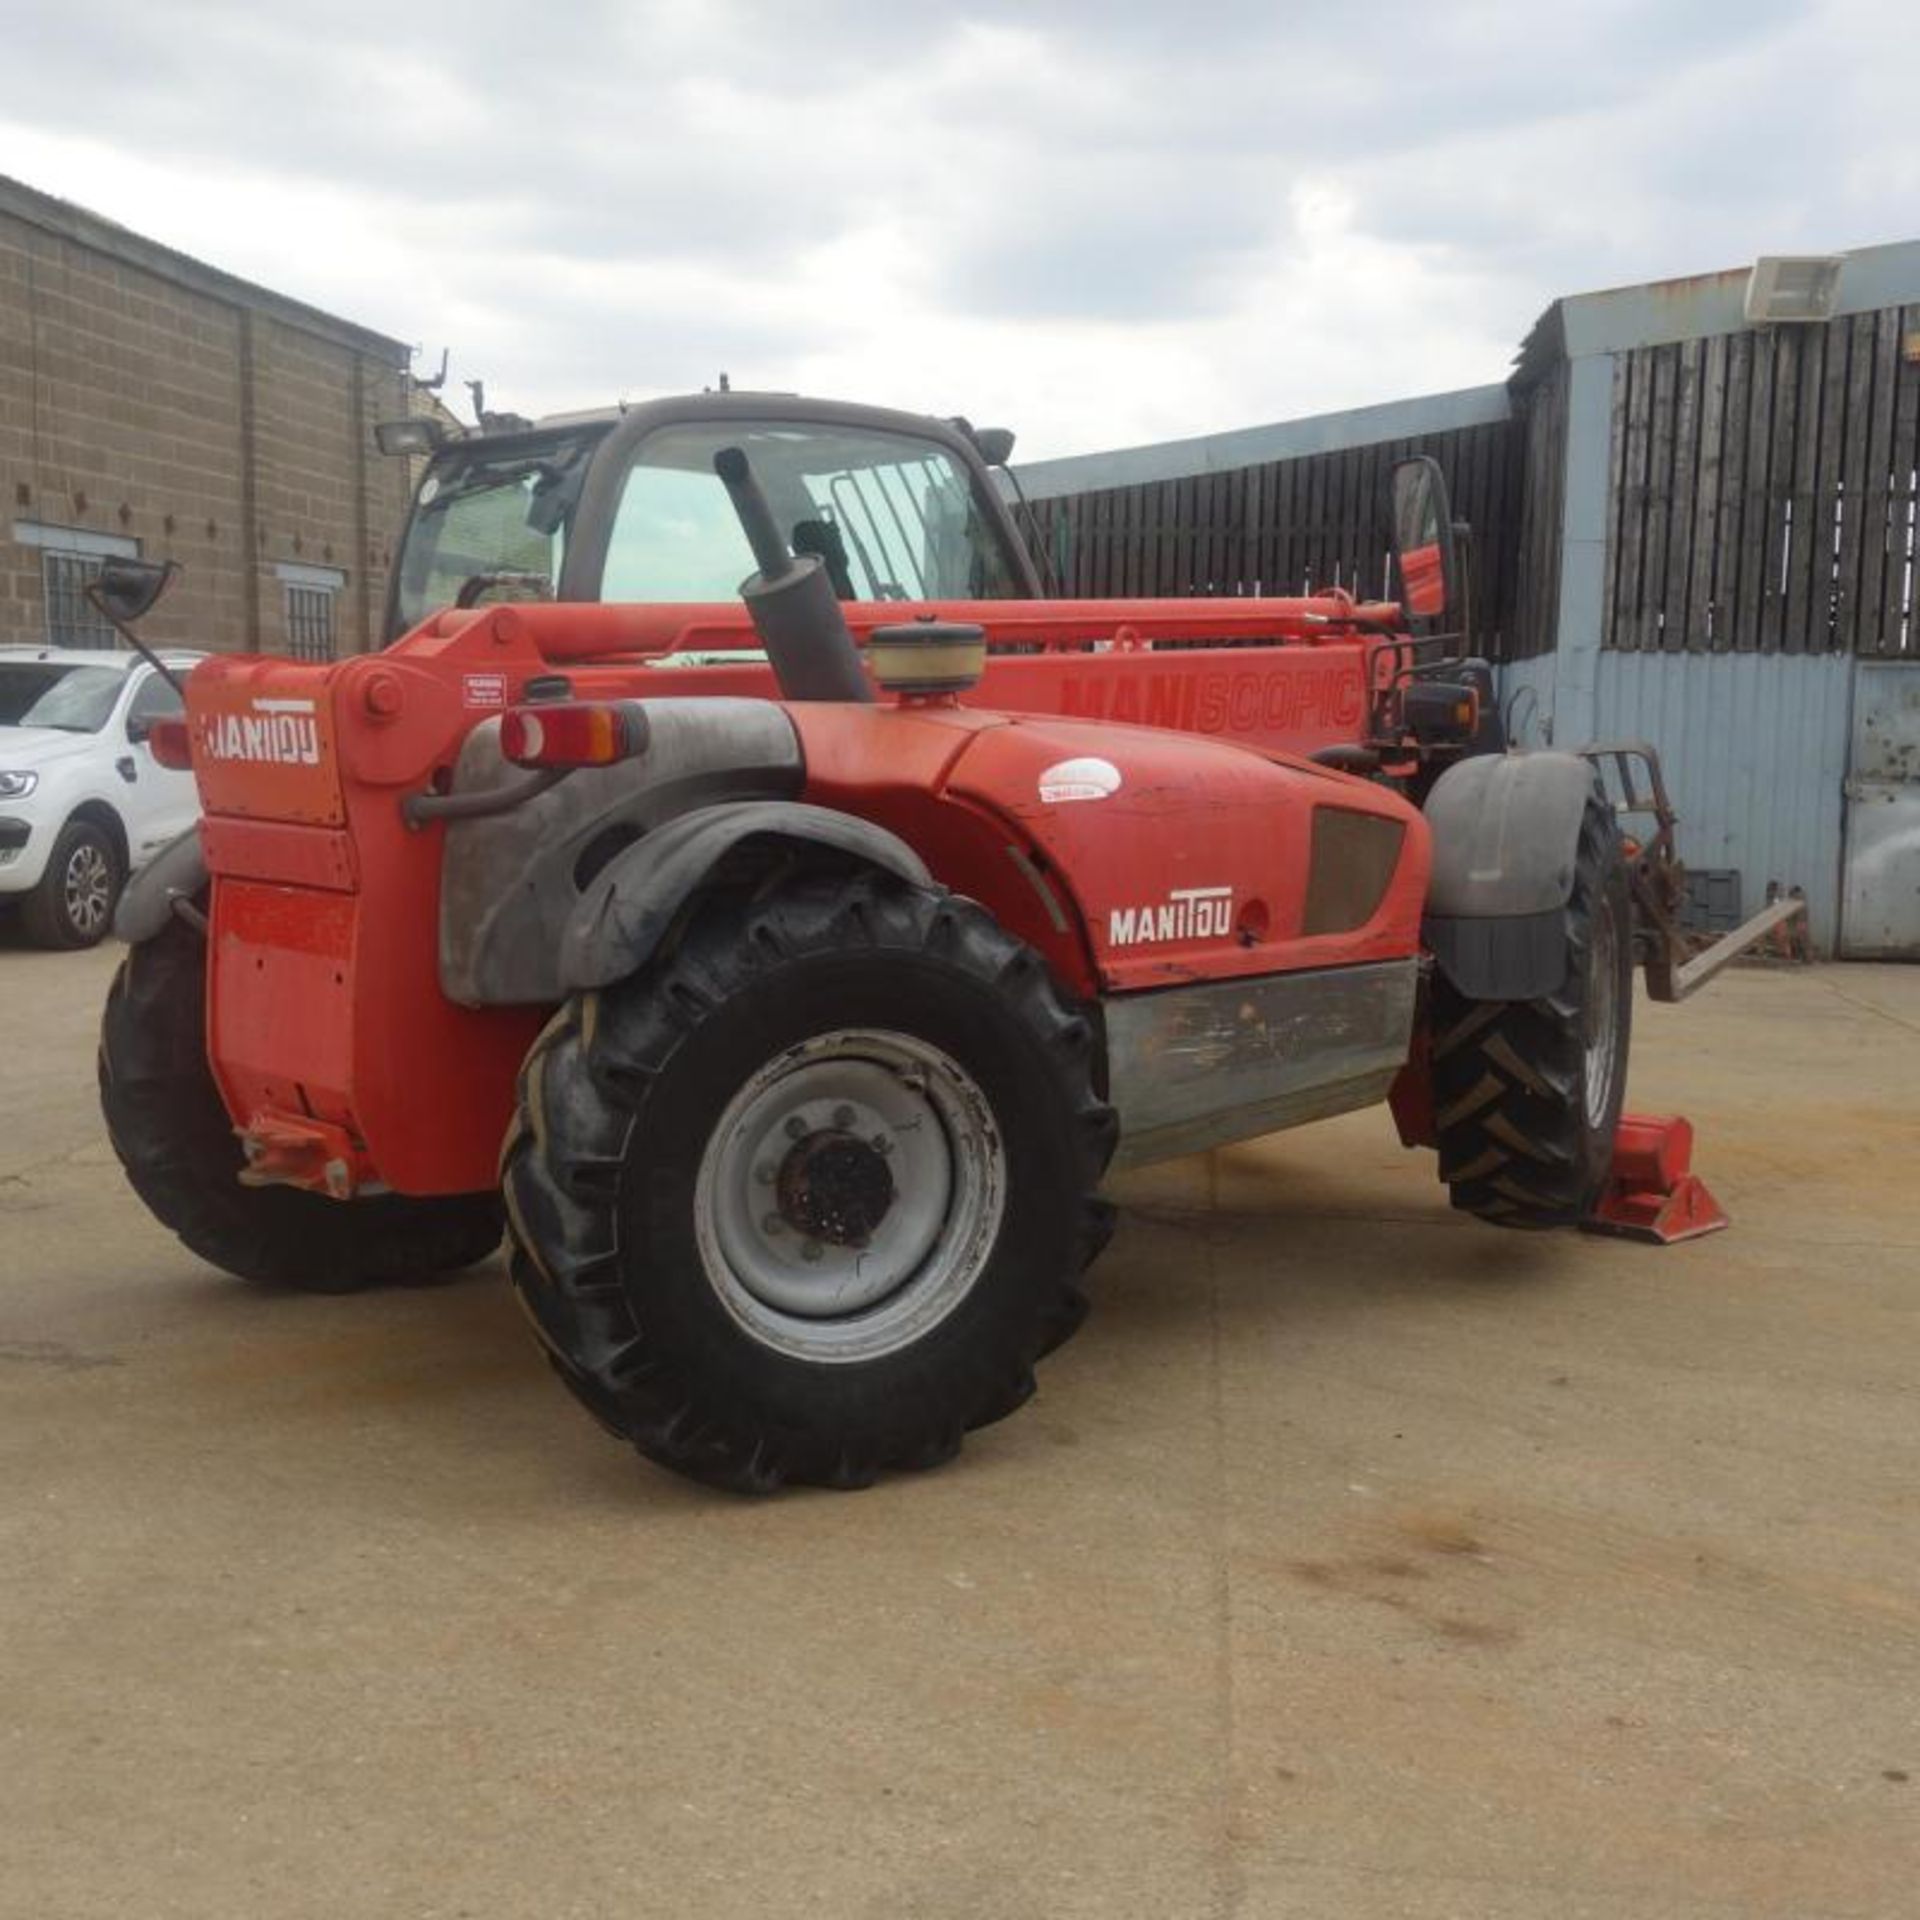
point(88, 888)
point(1603, 1017)
point(850, 1195)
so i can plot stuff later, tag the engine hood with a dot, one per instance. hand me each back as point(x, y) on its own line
point(25, 749)
point(1194, 858)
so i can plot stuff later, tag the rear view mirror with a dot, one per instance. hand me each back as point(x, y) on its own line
point(125, 590)
point(1423, 553)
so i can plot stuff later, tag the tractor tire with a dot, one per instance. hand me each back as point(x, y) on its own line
point(806, 1199)
point(176, 1141)
point(1527, 1093)
point(73, 904)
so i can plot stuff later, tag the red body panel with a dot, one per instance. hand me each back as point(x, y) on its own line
point(324, 994)
point(1298, 674)
point(1192, 863)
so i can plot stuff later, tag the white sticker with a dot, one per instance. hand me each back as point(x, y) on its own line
point(1079, 780)
point(486, 690)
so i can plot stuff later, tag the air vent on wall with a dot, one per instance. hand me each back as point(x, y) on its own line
point(1793, 288)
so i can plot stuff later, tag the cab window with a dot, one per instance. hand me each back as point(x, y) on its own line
point(154, 699)
point(890, 517)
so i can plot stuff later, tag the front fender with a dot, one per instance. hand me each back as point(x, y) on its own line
point(177, 872)
point(625, 912)
point(1506, 839)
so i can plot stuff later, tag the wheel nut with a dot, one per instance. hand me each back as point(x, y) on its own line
point(843, 1118)
point(797, 1128)
point(881, 1144)
point(773, 1224)
point(812, 1250)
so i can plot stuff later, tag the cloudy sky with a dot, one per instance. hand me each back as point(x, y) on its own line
point(1101, 223)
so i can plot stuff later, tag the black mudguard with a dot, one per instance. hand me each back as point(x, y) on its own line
point(177, 872)
point(1506, 835)
point(626, 911)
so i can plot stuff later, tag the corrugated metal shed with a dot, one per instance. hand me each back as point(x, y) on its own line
point(1755, 743)
point(1755, 752)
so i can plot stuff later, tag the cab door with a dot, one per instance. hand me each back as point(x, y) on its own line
point(157, 803)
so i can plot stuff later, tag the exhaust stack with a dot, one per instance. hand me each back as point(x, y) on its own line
point(795, 610)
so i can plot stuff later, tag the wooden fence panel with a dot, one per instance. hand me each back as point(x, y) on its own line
point(1765, 490)
point(1727, 497)
point(1757, 510)
point(1320, 520)
point(1899, 629)
point(1539, 484)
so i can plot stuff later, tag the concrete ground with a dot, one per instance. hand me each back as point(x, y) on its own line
point(1355, 1561)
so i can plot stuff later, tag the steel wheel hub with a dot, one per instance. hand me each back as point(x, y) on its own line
point(850, 1195)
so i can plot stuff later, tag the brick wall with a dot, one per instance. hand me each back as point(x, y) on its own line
point(147, 398)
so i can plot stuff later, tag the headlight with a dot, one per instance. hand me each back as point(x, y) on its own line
point(16, 786)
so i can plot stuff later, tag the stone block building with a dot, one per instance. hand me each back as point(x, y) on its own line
point(152, 405)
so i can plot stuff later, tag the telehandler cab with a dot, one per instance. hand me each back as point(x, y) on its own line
point(816, 955)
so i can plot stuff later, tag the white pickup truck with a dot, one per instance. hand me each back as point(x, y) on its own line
point(83, 802)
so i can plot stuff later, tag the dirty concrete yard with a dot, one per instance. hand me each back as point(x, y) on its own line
point(1355, 1561)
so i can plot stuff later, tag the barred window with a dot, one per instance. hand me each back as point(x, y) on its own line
point(310, 621)
point(71, 618)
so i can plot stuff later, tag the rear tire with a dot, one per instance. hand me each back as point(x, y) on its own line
point(176, 1141)
point(808, 1198)
point(1527, 1093)
point(73, 905)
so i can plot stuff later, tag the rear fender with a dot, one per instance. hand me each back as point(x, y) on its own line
point(177, 872)
point(623, 915)
point(1506, 837)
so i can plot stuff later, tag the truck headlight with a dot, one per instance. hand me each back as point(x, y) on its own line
point(16, 786)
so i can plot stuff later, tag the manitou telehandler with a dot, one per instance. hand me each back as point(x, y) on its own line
point(815, 955)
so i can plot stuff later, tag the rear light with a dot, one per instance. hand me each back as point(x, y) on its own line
point(171, 745)
point(574, 733)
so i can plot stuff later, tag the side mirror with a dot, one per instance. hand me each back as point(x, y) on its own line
point(1423, 553)
point(125, 590)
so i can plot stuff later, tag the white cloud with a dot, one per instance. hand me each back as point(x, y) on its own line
point(1100, 223)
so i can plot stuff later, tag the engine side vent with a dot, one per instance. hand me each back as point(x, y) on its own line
point(1350, 865)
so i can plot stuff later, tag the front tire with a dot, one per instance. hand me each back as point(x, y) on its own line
point(807, 1199)
point(176, 1141)
point(1527, 1093)
point(73, 904)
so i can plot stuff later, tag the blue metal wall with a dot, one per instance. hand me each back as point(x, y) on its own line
point(1754, 748)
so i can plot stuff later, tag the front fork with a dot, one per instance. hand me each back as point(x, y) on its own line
point(1632, 775)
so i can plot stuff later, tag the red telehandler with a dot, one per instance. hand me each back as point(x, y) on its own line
point(815, 954)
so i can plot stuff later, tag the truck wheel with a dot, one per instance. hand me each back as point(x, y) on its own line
point(73, 904)
point(807, 1199)
point(177, 1144)
point(1527, 1093)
